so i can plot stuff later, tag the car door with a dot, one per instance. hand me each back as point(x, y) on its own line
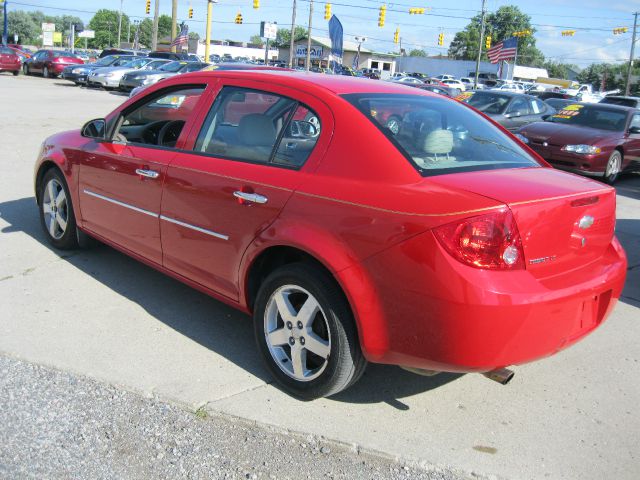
point(120, 180)
point(517, 113)
point(632, 143)
point(245, 162)
point(35, 66)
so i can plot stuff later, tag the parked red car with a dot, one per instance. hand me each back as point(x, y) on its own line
point(447, 246)
point(9, 61)
point(50, 63)
point(592, 139)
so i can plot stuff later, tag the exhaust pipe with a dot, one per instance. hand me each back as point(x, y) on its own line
point(500, 375)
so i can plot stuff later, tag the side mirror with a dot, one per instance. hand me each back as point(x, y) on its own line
point(300, 128)
point(634, 130)
point(95, 129)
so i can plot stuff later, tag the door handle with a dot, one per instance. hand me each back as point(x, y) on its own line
point(147, 173)
point(250, 197)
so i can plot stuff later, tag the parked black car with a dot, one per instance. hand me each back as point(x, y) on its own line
point(169, 55)
point(548, 94)
point(621, 100)
point(119, 51)
point(512, 110)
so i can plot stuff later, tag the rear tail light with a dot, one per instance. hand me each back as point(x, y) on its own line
point(489, 241)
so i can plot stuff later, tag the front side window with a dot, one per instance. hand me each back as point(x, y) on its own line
point(441, 136)
point(172, 67)
point(160, 119)
point(259, 127)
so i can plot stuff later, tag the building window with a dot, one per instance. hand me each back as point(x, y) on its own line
point(386, 67)
point(374, 65)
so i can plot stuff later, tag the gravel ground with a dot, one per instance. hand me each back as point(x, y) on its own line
point(55, 424)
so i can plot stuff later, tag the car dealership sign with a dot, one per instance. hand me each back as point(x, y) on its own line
point(316, 52)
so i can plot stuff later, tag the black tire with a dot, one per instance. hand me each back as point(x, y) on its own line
point(16, 73)
point(69, 235)
point(345, 362)
point(613, 167)
point(25, 69)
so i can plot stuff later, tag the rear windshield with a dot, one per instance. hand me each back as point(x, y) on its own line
point(63, 55)
point(625, 102)
point(439, 135)
point(173, 66)
point(591, 116)
point(7, 51)
point(488, 102)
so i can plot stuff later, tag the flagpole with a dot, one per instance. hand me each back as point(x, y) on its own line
point(480, 45)
point(515, 60)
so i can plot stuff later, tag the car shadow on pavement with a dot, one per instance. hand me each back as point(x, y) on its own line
point(628, 232)
point(199, 317)
point(628, 185)
point(65, 84)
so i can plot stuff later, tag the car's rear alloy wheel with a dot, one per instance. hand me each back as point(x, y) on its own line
point(306, 332)
point(56, 211)
point(614, 165)
point(45, 72)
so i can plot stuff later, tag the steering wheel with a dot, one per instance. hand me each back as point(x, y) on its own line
point(151, 133)
point(169, 133)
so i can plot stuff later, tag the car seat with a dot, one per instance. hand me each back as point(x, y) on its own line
point(437, 146)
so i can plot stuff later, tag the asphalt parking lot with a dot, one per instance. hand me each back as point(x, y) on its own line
point(103, 315)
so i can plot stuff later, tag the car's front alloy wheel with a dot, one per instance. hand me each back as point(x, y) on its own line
point(56, 211)
point(306, 332)
point(45, 72)
point(613, 168)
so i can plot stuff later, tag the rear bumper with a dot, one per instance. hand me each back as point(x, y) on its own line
point(438, 314)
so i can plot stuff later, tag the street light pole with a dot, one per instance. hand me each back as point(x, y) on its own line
point(174, 22)
point(480, 44)
point(309, 36)
point(154, 38)
point(292, 39)
point(207, 45)
point(120, 24)
point(627, 88)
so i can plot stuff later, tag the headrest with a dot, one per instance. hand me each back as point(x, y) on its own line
point(257, 130)
point(439, 142)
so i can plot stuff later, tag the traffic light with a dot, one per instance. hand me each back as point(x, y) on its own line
point(568, 33)
point(522, 33)
point(487, 42)
point(148, 8)
point(327, 11)
point(190, 12)
point(238, 18)
point(441, 39)
point(256, 4)
point(396, 36)
point(618, 31)
point(416, 11)
point(382, 15)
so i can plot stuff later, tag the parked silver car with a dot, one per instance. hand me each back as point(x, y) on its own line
point(109, 77)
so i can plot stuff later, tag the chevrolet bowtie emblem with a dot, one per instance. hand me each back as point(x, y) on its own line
point(585, 222)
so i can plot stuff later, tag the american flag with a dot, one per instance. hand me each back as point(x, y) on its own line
point(503, 50)
point(183, 36)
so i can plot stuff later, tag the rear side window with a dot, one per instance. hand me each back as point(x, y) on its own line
point(259, 127)
point(439, 135)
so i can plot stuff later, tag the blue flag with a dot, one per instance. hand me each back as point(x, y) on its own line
point(335, 33)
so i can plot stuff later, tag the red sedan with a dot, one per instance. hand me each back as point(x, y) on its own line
point(9, 61)
point(592, 139)
point(50, 63)
point(447, 246)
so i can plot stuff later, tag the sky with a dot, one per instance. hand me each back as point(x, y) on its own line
point(593, 21)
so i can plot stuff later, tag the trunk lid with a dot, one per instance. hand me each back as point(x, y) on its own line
point(565, 221)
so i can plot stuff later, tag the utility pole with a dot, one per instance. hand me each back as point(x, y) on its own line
point(174, 21)
point(154, 38)
point(309, 36)
point(120, 24)
point(129, 32)
point(627, 88)
point(292, 39)
point(5, 32)
point(480, 43)
point(207, 40)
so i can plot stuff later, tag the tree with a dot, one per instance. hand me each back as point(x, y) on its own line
point(557, 69)
point(105, 24)
point(20, 23)
point(283, 38)
point(416, 52)
point(501, 25)
point(256, 40)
